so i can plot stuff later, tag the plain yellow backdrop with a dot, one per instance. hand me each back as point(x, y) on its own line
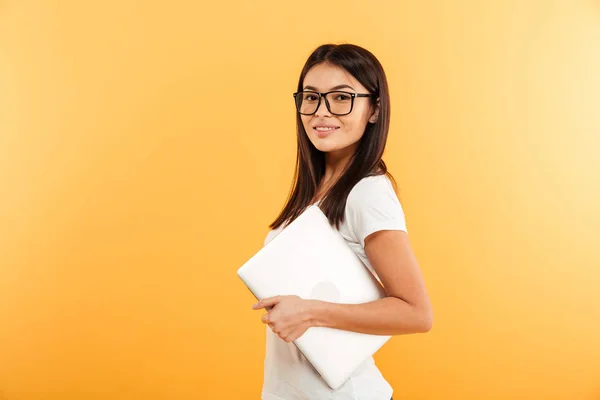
point(145, 147)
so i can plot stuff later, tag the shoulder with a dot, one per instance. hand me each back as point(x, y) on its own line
point(374, 193)
point(373, 205)
point(369, 188)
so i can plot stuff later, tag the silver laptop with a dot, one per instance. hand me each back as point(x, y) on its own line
point(310, 259)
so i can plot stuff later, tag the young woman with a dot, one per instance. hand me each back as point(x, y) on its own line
point(343, 116)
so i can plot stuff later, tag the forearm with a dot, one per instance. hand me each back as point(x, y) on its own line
point(386, 316)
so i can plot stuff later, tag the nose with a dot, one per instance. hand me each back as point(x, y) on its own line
point(322, 109)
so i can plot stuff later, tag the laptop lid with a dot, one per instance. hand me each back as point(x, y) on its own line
point(309, 258)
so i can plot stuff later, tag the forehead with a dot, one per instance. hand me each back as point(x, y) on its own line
point(325, 76)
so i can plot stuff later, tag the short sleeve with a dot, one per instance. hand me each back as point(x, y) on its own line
point(372, 206)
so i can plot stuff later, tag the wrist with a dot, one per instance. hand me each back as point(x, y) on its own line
point(316, 313)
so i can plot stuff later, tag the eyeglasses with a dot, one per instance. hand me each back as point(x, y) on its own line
point(337, 102)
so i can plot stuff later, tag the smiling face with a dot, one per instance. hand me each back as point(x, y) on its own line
point(331, 133)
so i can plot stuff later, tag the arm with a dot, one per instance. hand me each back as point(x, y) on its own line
point(406, 309)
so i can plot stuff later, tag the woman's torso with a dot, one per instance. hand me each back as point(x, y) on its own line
point(287, 373)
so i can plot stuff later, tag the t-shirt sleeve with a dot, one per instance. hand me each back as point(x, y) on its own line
point(372, 206)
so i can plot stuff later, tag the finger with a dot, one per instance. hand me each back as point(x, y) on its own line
point(286, 337)
point(290, 336)
point(265, 319)
point(268, 302)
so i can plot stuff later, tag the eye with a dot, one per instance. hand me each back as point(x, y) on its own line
point(342, 97)
point(310, 97)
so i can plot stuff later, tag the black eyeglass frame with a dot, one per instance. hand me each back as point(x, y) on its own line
point(324, 96)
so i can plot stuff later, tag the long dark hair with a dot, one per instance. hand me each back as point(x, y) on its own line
point(366, 161)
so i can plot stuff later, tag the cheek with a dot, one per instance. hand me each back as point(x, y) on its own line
point(354, 128)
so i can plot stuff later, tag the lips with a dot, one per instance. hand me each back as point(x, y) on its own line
point(322, 131)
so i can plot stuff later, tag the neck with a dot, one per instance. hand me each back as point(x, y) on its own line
point(335, 163)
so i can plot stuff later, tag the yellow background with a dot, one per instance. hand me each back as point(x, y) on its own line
point(145, 146)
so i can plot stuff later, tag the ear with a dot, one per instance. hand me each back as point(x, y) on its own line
point(375, 114)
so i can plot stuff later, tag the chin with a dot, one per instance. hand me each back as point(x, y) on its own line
point(325, 145)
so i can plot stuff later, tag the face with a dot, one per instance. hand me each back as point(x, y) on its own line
point(331, 133)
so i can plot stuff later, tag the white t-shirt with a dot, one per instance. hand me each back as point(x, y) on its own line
point(372, 205)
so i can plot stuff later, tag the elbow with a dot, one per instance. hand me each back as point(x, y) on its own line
point(419, 318)
point(425, 323)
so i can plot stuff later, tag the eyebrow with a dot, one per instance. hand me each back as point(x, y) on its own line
point(333, 88)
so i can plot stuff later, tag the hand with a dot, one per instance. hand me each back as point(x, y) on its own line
point(288, 316)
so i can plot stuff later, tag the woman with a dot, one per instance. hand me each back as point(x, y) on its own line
point(343, 116)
